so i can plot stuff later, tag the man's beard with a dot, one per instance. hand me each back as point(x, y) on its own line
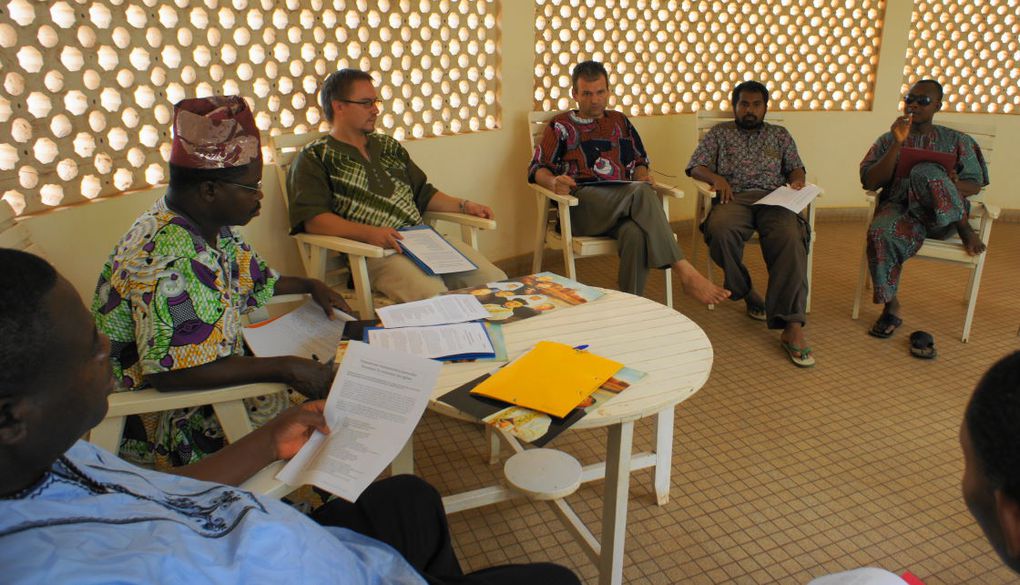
point(747, 124)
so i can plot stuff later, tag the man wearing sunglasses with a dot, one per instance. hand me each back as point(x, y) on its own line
point(925, 201)
point(171, 296)
point(358, 184)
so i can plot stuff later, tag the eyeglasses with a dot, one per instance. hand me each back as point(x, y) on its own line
point(921, 100)
point(257, 187)
point(367, 102)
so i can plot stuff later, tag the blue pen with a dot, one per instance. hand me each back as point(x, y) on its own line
point(581, 347)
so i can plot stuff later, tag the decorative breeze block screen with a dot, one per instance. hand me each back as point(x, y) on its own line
point(671, 56)
point(972, 49)
point(87, 86)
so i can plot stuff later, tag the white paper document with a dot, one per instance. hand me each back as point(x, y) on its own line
point(304, 332)
point(374, 405)
point(793, 200)
point(437, 256)
point(440, 310)
point(864, 576)
point(437, 341)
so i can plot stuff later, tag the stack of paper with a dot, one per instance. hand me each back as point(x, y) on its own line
point(459, 341)
point(553, 378)
point(793, 199)
point(431, 252)
point(304, 332)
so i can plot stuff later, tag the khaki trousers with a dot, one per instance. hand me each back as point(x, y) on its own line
point(402, 280)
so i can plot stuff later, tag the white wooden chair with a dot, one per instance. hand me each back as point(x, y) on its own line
point(949, 250)
point(547, 235)
point(706, 120)
point(314, 249)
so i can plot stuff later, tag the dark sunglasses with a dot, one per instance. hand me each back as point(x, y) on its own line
point(367, 102)
point(921, 100)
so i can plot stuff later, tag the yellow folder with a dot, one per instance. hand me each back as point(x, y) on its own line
point(552, 378)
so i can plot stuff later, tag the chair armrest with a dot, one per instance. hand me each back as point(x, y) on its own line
point(568, 199)
point(343, 245)
point(265, 483)
point(704, 189)
point(281, 299)
point(152, 400)
point(991, 211)
point(668, 191)
point(462, 219)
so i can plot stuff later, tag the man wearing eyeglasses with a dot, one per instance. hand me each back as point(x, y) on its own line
point(925, 201)
point(171, 296)
point(358, 184)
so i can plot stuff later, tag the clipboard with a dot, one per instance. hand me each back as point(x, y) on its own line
point(913, 156)
point(447, 248)
point(552, 378)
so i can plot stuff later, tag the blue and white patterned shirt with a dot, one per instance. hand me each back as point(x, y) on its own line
point(95, 518)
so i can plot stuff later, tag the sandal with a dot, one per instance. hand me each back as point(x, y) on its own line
point(885, 326)
point(800, 356)
point(922, 345)
point(756, 312)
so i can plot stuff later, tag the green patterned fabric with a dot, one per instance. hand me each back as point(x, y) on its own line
point(330, 176)
point(168, 301)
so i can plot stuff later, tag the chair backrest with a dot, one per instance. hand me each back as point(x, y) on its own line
point(285, 147)
point(537, 121)
point(709, 118)
point(983, 134)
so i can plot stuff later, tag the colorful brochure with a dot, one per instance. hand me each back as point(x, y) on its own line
point(520, 298)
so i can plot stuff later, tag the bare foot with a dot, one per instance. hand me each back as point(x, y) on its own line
point(697, 286)
point(971, 242)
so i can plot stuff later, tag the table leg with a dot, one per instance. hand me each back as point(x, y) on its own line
point(663, 454)
point(403, 463)
point(614, 503)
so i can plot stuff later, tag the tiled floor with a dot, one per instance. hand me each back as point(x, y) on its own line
point(782, 474)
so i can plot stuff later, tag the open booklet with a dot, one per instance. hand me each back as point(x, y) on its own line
point(793, 199)
point(376, 401)
point(304, 332)
point(431, 252)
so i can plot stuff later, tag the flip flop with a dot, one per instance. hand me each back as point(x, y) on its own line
point(757, 312)
point(800, 356)
point(885, 326)
point(922, 345)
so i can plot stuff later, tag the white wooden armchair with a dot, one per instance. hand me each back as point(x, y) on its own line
point(314, 249)
point(554, 212)
point(707, 119)
point(950, 250)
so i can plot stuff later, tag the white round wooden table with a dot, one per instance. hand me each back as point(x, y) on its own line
point(641, 334)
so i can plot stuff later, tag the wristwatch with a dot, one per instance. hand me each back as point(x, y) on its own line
point(463, 205)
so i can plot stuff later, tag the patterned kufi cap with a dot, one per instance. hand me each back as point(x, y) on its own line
point(214, 133)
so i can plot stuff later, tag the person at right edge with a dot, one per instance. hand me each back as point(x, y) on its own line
point(927, 202)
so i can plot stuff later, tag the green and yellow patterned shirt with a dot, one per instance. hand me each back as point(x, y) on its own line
point(330, 176)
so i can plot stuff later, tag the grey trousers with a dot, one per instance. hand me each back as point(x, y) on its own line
point(632, 215)
point(784, 237)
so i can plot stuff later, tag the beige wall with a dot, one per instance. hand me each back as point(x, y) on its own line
point(490, 166)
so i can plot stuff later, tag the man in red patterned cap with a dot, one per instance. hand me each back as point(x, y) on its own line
point(171, 296)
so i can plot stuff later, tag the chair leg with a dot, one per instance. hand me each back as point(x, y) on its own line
point(708, 274)
point(568, 242)
point(469, 234)
point(972, 293)
point(316, 265)
point(669, 287)
point(362, 287)
point(492, 437)
point(233, 417)
point(540, 231)
point(810, 256)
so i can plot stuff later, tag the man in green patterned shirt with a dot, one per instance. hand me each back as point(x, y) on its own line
point(357, 184)
point(172, 294)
